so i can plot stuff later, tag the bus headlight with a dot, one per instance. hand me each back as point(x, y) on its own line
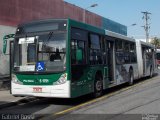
point(61, 80)
point(15, 80)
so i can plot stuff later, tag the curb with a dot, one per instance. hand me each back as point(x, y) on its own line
point(18, 102)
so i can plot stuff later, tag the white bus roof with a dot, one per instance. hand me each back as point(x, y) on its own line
point(158, 50)
point(116, 35)
point(146, 44)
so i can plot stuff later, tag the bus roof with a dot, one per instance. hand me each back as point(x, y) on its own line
point(39, 21)
point(158, 51)
point(147, 44)
point(41, 25)
point(116, 35)
point(85, 26)
point(71, 22)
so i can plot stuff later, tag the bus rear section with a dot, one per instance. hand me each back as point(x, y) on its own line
point(122, 59)
point(145, 58)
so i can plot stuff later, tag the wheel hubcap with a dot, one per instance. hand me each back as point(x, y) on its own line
point(98, 85)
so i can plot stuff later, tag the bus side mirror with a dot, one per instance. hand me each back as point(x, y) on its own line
point(79, 55)
point(5, 39)
point(4, 46)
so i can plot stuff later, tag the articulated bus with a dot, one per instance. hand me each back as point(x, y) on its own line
point(130, 59)
point(64, 58)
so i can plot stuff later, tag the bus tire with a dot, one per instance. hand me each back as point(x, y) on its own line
point(151, 72)
point(131, 77)
point(18, 96)
point(15, 96)
point(98, 86)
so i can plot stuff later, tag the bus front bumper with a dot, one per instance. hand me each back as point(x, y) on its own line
point(57, 91)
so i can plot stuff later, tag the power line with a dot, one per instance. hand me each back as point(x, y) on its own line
point(147, 25)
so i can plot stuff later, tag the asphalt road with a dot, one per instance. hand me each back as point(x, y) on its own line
point(141, 99)
point(121, 102)
point(140, 102)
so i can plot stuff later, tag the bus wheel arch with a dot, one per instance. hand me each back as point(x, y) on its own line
point(98, 84)
point(131, 76)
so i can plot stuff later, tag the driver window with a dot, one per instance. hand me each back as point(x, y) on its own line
point(78, 46)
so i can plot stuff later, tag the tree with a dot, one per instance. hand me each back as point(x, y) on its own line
point(156, 41)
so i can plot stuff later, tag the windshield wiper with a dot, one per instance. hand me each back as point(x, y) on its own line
point(49, 37)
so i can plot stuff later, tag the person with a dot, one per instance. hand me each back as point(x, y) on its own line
point(55, 56)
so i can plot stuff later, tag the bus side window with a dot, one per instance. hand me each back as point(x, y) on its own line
point(95, 56)
point(78, 47)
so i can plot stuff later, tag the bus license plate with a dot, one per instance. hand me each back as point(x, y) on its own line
point(37, 89)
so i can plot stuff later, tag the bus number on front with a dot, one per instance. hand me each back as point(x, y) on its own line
point(37, 89)
point(43, 80)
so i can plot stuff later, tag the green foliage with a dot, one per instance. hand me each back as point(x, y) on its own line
point(155, 41)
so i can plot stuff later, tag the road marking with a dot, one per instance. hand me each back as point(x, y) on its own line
point(101, 98)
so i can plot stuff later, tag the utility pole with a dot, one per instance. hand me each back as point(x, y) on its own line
point(146, 26)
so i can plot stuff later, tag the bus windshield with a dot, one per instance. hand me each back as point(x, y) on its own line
point(158, 56)
point(40, 53)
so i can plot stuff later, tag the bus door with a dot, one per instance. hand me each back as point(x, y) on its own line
point(110, 48)
point(11, 45)
point(144, 59)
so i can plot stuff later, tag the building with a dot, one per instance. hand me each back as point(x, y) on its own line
point(14, 12)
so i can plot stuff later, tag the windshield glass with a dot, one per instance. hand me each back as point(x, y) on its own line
point(158, 56)
point(45, 52)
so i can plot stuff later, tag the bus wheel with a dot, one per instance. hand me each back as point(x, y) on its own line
point(131, 78)
point(18, 96)
point(98, 86)
point(15, 96)
point(151, 72)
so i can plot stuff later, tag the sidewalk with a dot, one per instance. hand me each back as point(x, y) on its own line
point(6, 98)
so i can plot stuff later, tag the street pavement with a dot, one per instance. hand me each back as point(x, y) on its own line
point(141, 102)
point(140, 99)
point(6, 97)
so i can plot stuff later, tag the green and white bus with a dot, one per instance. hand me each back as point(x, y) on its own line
point(64, 58)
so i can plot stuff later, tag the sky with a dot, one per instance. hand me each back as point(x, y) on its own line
point(127, 12)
